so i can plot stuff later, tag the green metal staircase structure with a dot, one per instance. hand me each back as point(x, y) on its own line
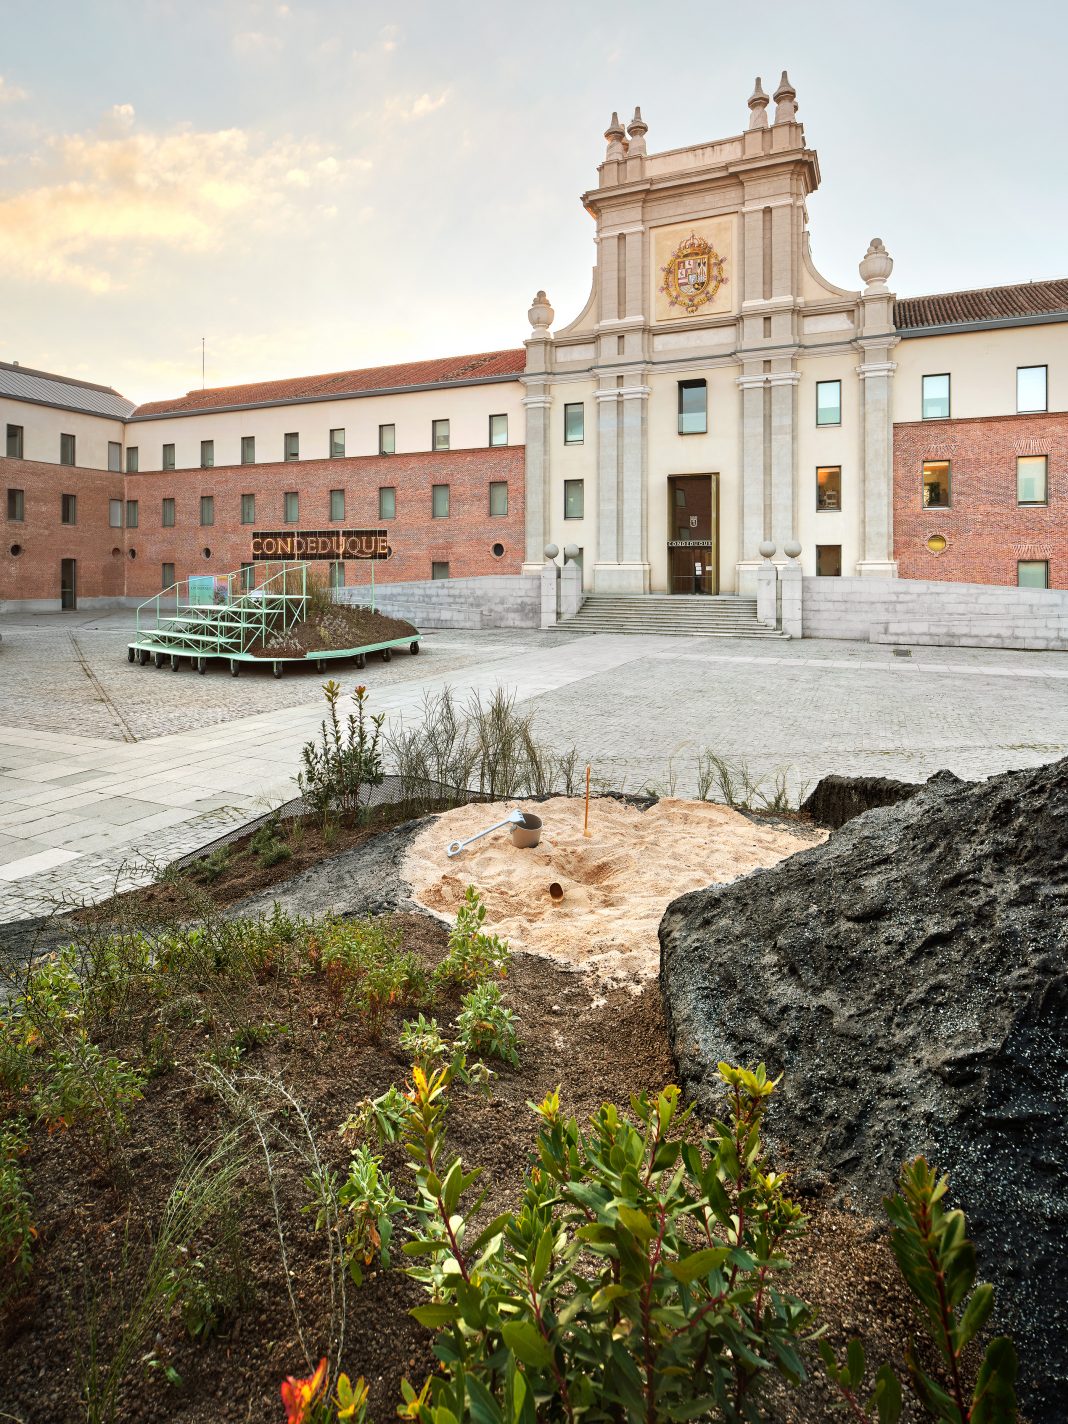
point(220, 615)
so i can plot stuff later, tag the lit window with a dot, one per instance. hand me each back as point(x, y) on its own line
point(498, 430)
point(66, 449)
point(16, 505)
point(440, 435)
point(337, 504)
point(114, 456)
point(291, 506)
point(574, 498)
point(693, 407)
point(1031, 479)
point(248, 509)
point(498, 497)
point(828, 561)
point(68, 508)
point(337, 444)
point(829, 487)
point(439, 501)
point(439, 571)
point(1031, 393)
point(292, 446)
point(167, 576)
point(937, 543)
point(167, 515)
point(14, 442)
point(248, 449)
point(936, 484)
point(131, 460)
point(574, 424)
point(387, 502)
point(131, 514)
point(936, 397)
point(207, 509)
point(828, 402)
point(207, 454)
point(387, 439)
point(114, 513)
point(1032, 573)
point(168, 457)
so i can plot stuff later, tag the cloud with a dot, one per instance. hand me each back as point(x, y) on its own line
point(111, 200)
point(417, 108)
point(10, 93)
point(386, 42)
point(253, 43)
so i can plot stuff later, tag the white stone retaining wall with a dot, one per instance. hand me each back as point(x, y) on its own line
point(493, 601)
point(919, 611)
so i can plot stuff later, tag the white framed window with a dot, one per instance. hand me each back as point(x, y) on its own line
point(1031, 389)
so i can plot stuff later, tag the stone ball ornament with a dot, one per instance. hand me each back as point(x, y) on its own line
point(551, 551)
point(571, 553)
point(791, 549)
point(766, 548)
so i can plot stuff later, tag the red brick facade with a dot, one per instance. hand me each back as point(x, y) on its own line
point(43, 540)
point(985, 530)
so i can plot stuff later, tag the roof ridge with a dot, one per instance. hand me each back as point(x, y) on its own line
point(64, 380)
point(972, 291)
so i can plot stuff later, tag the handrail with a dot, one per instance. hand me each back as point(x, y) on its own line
point(238, 592)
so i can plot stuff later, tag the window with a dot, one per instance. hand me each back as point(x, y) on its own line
point(114, 456)
point(131, 514)
point(387, 502)
point(167, 516)
point(936, 484)
point(1031, 388)
point(337, 444)
point(291, 506)
point(337, 575)
point(1031, 479)
point(440, 433)
point(292, 446)
point(66, 449)
point(131, 460)
point(207, 509)
point(936, 397)
point(829, 487)
point(439, 571)
point(574, 423)
point(68, 508)
point(693, 407)
point(828, 402)
point(248, 449)
point(337, 504)
point(574, 499)
point(828, 561)
point(387, 439)
point(168, 457)
point(248, 577)
point(439, 501)
point(207, 454)
point(167, 578)
point(498, 430)
point(14, 442)
point(248, 509)
point(16, 505)
point(498, 497)
point(1032, 573)
point(114, 513)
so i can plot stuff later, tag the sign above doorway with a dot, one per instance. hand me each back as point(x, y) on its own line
point(333, 545)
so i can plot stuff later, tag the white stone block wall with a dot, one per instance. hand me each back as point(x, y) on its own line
point(495, 601)
point(936, 613)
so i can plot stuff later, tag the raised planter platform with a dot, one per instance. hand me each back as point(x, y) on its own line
point(144, 652)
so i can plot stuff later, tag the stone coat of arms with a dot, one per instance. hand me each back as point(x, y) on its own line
point(693, 274)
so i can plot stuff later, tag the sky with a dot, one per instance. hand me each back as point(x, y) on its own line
point(321, 185)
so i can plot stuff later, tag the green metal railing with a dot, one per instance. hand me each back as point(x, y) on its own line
point(219, 614)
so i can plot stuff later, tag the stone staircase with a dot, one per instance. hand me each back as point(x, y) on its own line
point(670, 615)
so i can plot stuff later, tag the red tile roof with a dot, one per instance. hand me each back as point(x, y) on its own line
point(444, 369)
point(982, 304)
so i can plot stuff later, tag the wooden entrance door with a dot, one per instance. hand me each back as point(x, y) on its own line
point(693, 534)
point(68, 583)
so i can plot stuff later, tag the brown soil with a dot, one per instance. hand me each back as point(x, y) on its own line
point(341, 625)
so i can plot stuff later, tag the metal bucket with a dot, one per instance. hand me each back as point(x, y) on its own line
point(526, 833)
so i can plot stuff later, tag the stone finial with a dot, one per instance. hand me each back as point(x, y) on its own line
point(792, 549)
point(766, 548)
point(758, 107)
point(540, 315)
point(551, 551)
point(614, 134)
point(785, 101)
point(636, 131)
point(876, 266)
point(571, 553)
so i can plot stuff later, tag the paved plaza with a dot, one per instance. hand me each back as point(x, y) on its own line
point(108, 769)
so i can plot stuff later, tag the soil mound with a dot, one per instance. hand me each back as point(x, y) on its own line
point(343, 625)
point(837, 799)
point(910, 978)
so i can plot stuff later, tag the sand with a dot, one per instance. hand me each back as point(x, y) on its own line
point(616, 884)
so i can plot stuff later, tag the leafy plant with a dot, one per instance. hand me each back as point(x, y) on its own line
point(209, 867)
point(347, 760)
point(421, 1040)
point(385, 1116)
point(366, 970)
point(369, 1201)
point(16, 1210)
point(637, 1280)
point(80, 1086)
point(486, 1026)
point(307, 1401)
point(473, 955)
point(268, 845)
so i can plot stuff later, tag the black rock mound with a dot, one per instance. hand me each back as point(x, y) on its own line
point(837, 799)
point(910, 978)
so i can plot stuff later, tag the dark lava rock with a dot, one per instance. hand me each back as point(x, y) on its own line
point(837, 799)
point(909, 978)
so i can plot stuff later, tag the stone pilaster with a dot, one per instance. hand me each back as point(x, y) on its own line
point(537, 401)
point(876, 372)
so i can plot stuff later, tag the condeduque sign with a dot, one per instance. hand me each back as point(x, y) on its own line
point(332, 544)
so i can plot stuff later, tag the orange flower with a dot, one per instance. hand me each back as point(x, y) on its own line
point(298, 1395)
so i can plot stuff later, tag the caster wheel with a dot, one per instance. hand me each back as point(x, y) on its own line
point(157, 659)
point(413, 648)
point(143, 658)
point(174, 662)
point(319, 665)
point(131, 654)
point(361, 660)
point(276, 668)
point(202, 666)
point(387, 655)
point(235, 669)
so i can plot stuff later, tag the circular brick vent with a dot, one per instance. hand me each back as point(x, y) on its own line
point(498, 551)
point(16, 549)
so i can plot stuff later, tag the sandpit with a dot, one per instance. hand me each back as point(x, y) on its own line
point(616, 884)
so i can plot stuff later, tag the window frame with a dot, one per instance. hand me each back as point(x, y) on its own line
point(924, 504)
point(828, 508)
point(1033, 563)
point(936, 376)
point(252, 509)
point(435, 565)
point(434, 501)
point(168, 463)
point(391, 490)
point(248, 449)
point(337, 518)
point(287, 457)
point(388, 425)
point(1034, 409)
point(434, 424)
point(133, 459)
point(167, 506)
point(1042, 503)
point(698, 383)
point(338, 454)
point(288, 495)
point(114, 523)
point(68, 503)
point(64, 436)
point(582, 498)
point(829, 546)
point(207, 500)
point(133, 514)
point(15, 433)
point(498, 444)
point(498, 485)
point(207, 454)
point(115, 457)
point(580, 406)
point(166, 583)
point(18, 503)
point(822, 424)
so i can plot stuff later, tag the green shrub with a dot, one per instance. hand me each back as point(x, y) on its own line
point(486, 1026)
point(81, 1087)
point(209, 867)
point(366, 970)
point(637, 1280)
point(346, 762)
point(473, 955)
point(367, 1198)
point(16, 1210)
point(421, 1040)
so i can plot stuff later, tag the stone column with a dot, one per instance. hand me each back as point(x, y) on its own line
point(876, 372)
point(783, 402)
point(537, 402)
point(608, 494)
point(754, 397)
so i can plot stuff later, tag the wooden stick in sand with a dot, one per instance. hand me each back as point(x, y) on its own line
point(586, 822)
